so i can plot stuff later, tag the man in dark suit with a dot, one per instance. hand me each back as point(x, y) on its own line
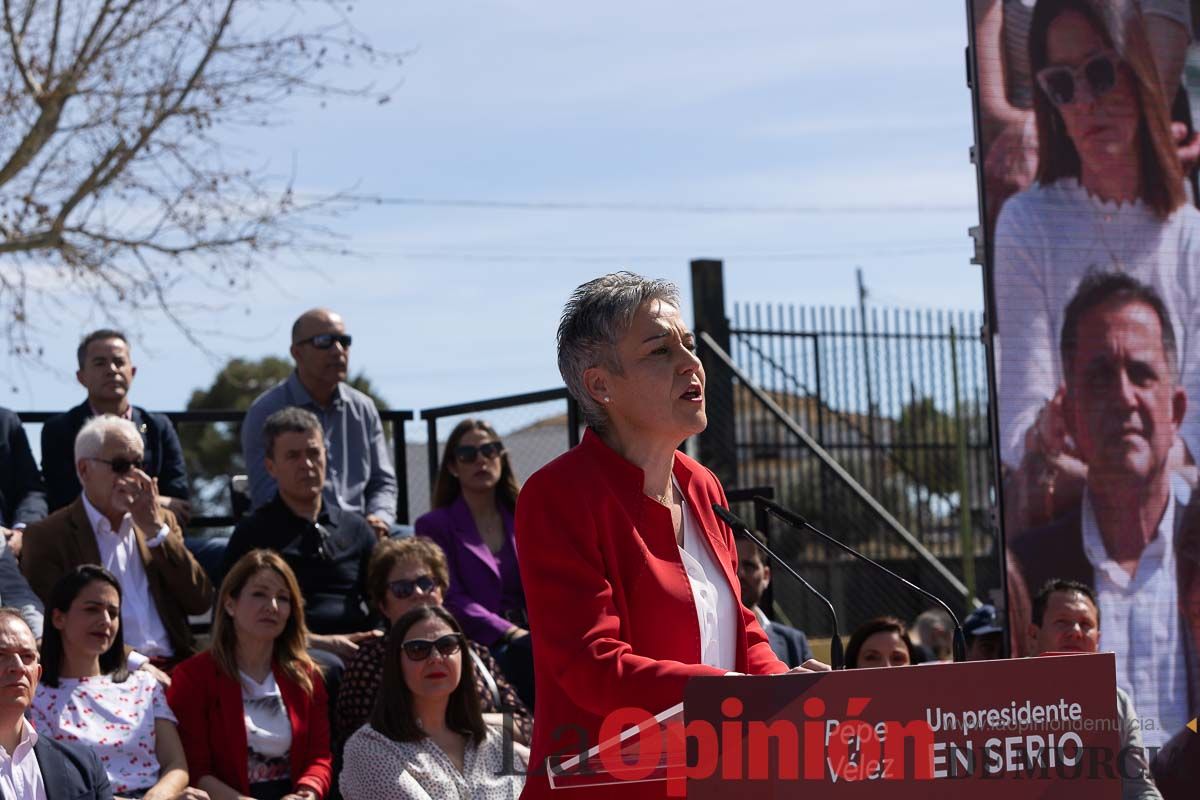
point(106, 370)
point(790, 645)
point(22, 492)
point(38, 767)
point(1127, 541)
point(117, 522)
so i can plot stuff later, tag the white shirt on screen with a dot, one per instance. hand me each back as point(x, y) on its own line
point(120, 555)
point(717, 609)
point(1140, 622)
point(1047, 239)
point(20, 773)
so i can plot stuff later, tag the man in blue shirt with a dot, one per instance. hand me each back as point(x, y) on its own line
point(360, 476)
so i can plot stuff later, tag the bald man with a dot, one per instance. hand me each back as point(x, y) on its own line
point(359, 473)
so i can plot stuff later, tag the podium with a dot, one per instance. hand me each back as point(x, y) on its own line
point(1041, 727)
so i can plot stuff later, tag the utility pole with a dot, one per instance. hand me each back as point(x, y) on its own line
point(877, 467)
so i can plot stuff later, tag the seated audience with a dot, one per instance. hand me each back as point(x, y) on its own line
point(36, 766)
point(933, 636)
point(252, 709)
point(474, 498)
point(360, 477)
point(984, 634)
point(22, 492)
point(880, 642)
point(118, 522)
point(106, 371)
point(326, 547)
point(427, 737)
point(88, 696)
point(754, 575)
point(1066, 619)
point(404, 574)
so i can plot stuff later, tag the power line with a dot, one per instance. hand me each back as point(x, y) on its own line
point(654, 208)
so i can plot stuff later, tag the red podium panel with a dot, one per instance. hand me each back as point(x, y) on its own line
point(1043, 727)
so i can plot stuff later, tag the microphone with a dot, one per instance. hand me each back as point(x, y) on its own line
point(836, 654)
point(797, 521)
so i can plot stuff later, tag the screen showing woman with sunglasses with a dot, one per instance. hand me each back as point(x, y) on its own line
point(427, 733)
point(404, 574)
point(474, 499)
point(1109, 198)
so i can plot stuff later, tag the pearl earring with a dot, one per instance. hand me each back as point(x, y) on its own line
point(607, 399)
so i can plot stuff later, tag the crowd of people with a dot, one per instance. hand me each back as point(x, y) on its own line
point(347, 657)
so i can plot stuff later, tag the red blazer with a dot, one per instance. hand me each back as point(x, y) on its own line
point(212, 725)
point(610, 606)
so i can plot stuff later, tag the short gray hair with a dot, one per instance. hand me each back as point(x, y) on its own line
point(595, 317)
point(89, 442)
point(292, 419)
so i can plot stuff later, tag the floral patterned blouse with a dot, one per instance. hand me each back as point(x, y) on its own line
point(116, 720)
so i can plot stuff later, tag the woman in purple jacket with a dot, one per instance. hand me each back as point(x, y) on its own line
point(472, 520)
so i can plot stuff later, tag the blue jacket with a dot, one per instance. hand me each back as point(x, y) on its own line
point(22, 493)
point(163, 457)
point(70, 772)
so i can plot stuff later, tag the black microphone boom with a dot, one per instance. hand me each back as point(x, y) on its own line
point(837, 656)
point(797, 521)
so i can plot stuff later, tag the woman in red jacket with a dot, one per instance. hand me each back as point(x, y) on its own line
point(253, 713)
point(630, 579)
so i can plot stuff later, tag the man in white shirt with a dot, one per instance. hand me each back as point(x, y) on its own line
point(34, 767)
point(118, 522)
point(1123, 407)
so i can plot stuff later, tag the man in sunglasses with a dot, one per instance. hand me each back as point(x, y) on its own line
point(359, 474)
point(118, 522)
point(106, 371)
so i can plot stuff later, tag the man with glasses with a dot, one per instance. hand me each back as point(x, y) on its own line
point(118, 522)
point(33, 766)
point(327, 547)
point(359, 475)
point(106, 370)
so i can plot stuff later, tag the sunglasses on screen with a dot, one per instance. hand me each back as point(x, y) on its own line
point(421, 649)
point(120, 466)
point(466, 453)
point(324, 341)
point(404, 589)
point(1061, 83)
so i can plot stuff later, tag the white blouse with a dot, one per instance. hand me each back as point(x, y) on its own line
point(268, 730)
point(116, 720)
point(377, 768)
point(1047, 239)
point(717, 607)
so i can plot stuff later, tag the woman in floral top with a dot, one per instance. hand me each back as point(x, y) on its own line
point(404, 574)
point(87, 696)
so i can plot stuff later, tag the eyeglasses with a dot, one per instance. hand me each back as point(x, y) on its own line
point(1061, 83)
point(324, 341)
point(420, 649)
point(403, 589)
point(467, 453)
point(120, 465)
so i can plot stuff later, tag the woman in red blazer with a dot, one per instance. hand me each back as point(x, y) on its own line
point(253, 712)
point(630, 579)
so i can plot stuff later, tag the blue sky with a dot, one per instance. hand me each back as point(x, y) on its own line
point(856, 109)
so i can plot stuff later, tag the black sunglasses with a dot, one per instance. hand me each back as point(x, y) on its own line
point(467, 453)
point(420, 649)
point(1061, 83)
point(403, 589)
point(120, 465)
point(324, 341)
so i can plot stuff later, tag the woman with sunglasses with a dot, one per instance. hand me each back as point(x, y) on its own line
point(253, 713)
point(427, 737)
point(86, 694)
point(474, 499)
point(1109, 197)
point(404, 574)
